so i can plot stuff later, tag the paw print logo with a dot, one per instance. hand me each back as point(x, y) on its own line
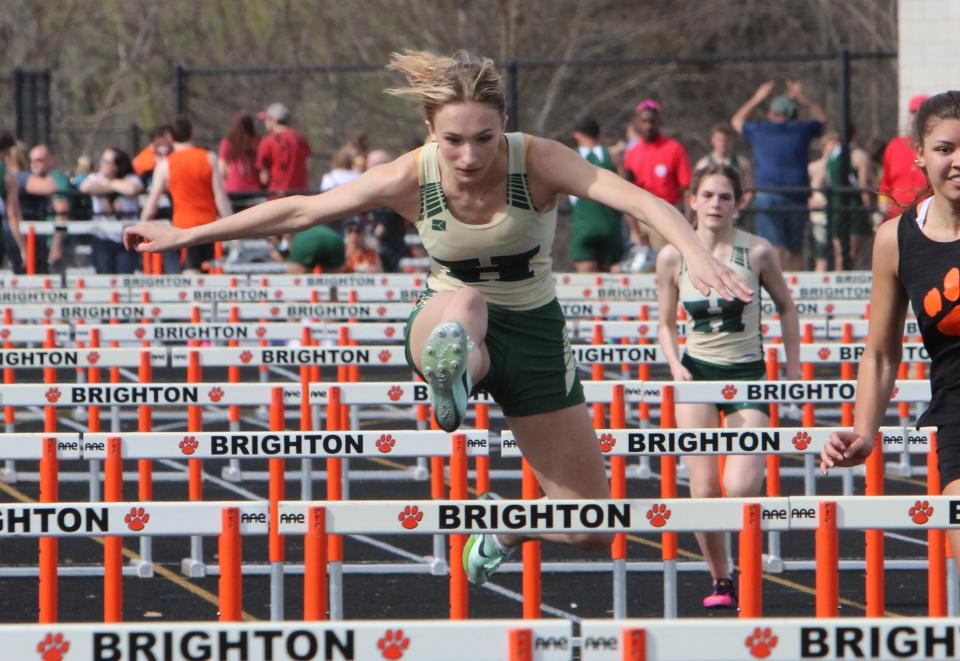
point(155, 312)
point(215, 394)
point(658, 515)
point(893, 393)
point(729, 391)
point(763, 329)
point(246, 357)
point(261, 331)
point(410, 517)
point(586, 293)
point(52, 395)
point(383, 281)
point(761, 643)
point(607, 441)
point(5, 333)
point(189, 445)
point(93, 357)
point(566, 279)
point(801, 441)
point(384, 356)
point(385, 443)
point(278, 295)
point(53, 648)
point(13, 282)
point(137, 519)
point(274, 311)
point(48, 312)
point(393, 644)
point(381, 311)
point(140, 333)
point(78, 296)
point(113, 282)
point(830, 308)
point(200, 282)
point(604, 309)
point(390, 294)
point(296, 282)
point(182, 295)
point(389, 331)
point(921, 512)
point(824, 353)
point(395, 393)
point(643, 329)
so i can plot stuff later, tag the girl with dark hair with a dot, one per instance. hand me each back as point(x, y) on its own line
point(485, 204)
point(113, 190)
point(915, 261)
point(723, 343)
point(238, 156)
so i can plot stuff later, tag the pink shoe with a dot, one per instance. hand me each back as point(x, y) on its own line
point(724, 595)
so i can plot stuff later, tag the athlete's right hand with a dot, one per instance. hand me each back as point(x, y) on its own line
point(680, 373)
point(153, 237)
point(844, 449)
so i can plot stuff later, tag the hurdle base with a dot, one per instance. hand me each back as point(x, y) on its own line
point(773, 564)
point(438, 566)
point(898, 469)
point(231, 474)
point(193, 568)
point(8, 474)
point(143, 569)
point(79, 413)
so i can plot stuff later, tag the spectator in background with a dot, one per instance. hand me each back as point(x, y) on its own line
point(282, 154)
point(13, 243)
point(360, 256)
point(45, 194)
point(160, 145)
point(781, 149)
point(192, 176)
point(238, 156)
point(851, 218)
point(657, 164)
point(722, 152)
point(596, 230)
point(318, 246)
point(902, 182)
point(389, 227)
point(341, 172)
point(113, 189)
point(820, 226)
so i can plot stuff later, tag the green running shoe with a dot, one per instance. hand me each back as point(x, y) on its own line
point(445, 369)
point(481, 555)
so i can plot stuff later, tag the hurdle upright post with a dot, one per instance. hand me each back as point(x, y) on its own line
point(232, 471)
point(315, 595)
point(936, 538)
point(618, 490)
point(774, 557)
point(194, 566)
point(521, 645)
point(113, 545)
point(9, 414)
point(230, 583)
point(276, 489)
point(808, 420)
point(145, 466)
point(828, 564)
point(49, 546)
point(481, 463)
point(634, 643)
point(751, 561)
point(532, 588)
point(874, 538)
point(335, 492)
point(668, 489)
point(459, 608)
point(306, 418)
point(643, 374)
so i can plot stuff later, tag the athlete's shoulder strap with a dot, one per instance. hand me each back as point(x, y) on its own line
point(518, 185)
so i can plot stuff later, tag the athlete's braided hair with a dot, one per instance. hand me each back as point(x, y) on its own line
point(435, 80)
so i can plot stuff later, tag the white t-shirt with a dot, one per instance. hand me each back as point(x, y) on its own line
point(337, 177)
point(105, 220)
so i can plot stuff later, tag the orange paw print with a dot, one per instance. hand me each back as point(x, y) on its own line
point(393, 644)
point(389, 331)
point(381, 311)
point(246, 357)
point(384, 356)
point(53, 647)
point(921, 512)
point(607, 441)
point(140, 333)
point(137, 519)
point(52, 395)
point(729, 392)
point(761, 643)
point(824, 353)
point(215, 394)
point(410, 517)
point(188, 445)
point(658, 515)
point(934, 303)
point(801, 441)
point(395, 393)
point(93, 357)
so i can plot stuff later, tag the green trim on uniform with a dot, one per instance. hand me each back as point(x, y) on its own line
point(701, 370)
point(532, 369)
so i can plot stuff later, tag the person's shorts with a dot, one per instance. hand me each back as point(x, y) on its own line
point(194, 257)
point(820, 231)
point(948, 453)
point(588, 245)
point(781, 219)
point(532, 369)
point(318, 246)
point(702, 370)
point(853, 222)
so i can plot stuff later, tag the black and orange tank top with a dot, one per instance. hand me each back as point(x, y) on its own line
point(929, 272)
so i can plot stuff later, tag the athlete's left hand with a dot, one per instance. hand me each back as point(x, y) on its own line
point(707, 273)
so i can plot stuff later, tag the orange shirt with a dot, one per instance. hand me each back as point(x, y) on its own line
point(145, 161)
point(191, 187)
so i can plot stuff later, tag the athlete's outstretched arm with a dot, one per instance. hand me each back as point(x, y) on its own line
point(668, 294)
point(881, 357)
point(568, 174)
point(772, 278)
point(384, 185)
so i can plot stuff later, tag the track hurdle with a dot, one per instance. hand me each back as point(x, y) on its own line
point(411, 640)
